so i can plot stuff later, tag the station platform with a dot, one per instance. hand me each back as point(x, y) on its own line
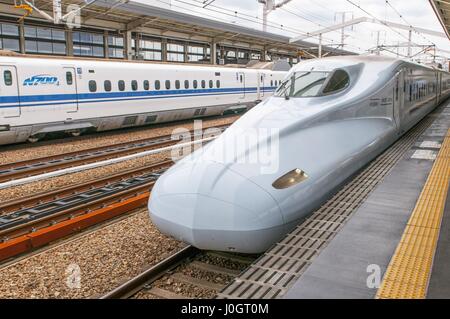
point(385, 234)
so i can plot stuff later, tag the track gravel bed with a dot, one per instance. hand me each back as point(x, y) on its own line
point(27, 151)
point(106, 257)
point(182, 281)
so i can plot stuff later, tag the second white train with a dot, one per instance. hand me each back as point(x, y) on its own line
point(44, 95)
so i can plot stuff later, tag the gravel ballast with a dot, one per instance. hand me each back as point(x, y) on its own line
point(90, 265)
point(94, 262)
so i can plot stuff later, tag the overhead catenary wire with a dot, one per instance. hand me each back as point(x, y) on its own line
point(365, 40)
point(296, 32)
point(245, 17)
point(379, 20)
point(241, 15)
point(388, 3)
point(321, 25)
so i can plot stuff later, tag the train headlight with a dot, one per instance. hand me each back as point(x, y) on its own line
point(289, 179)
point(4, 128)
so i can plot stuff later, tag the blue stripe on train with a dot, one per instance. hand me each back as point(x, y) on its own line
point(118, 96)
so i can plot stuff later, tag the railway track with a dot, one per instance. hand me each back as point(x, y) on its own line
point(47, 164)
point(188, 273)
point(191, 274)
point(33, 222)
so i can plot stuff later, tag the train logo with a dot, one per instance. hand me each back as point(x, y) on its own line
point(41, 79)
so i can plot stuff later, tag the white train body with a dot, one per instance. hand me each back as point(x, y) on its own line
point(330, 117)
point(43, 95)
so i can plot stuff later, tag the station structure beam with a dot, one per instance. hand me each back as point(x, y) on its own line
point(132, 20)
point(352, 22)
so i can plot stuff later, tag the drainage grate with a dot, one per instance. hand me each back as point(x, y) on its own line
point(278, 269)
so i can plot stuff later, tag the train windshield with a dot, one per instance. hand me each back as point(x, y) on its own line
point(310, 84)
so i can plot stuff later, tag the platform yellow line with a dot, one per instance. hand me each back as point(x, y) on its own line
point(409, 270)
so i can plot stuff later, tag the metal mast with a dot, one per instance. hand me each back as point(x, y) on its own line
point(269, 6)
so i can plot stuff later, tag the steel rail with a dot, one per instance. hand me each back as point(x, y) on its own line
point(12, 171)
point(152, 274)
point(63, 204)
point(21, 203)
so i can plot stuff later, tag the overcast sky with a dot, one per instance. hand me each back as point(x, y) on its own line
point(309, 15)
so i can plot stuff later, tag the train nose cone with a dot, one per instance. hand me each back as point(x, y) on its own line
point(211, 207)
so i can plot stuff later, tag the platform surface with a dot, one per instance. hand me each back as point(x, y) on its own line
point(354, 262)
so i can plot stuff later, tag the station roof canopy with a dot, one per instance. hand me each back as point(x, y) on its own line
point(128, 15)
point(442, 10)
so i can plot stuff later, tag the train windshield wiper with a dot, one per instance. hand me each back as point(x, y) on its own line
point(302, 84)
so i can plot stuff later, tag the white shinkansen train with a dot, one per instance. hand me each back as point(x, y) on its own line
point(328, 118)
point(44, 95)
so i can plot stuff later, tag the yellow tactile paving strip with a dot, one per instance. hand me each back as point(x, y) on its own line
point(409, 271)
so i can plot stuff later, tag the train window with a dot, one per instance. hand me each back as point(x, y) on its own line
point(177, 84)
point(134, 85)
point(7, 76)
point(168, 84)
point(218, 83)
point(271, 83)
point(146, 85)
point(92, 86)
point(338, 81)
point(195, 84)
point(211, 84)
point(69, 78)
point(203, 84)
point(121, 85)
point(306, 84)
point(107, 85)
point(186, 84)
point(241, 78)
point(157, 85)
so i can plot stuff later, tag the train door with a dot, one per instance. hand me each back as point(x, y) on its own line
point(70, 81)
point(241, 84)
point(399, 96)
point(9, 92)
point(261, 82)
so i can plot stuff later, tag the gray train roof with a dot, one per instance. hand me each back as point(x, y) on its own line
point(342, 61)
